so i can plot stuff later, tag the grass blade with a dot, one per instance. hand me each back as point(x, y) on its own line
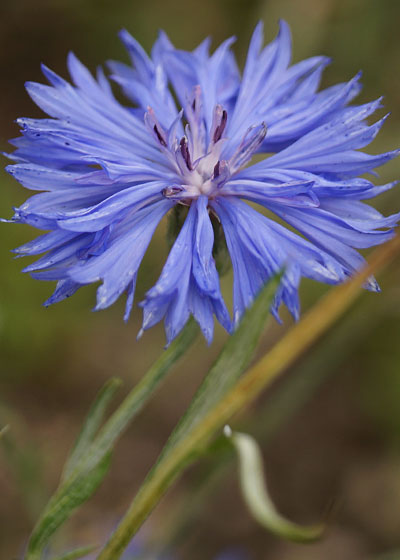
point(230, 364)
point(77, 554)
point(257, 379)
point(91, 425)
point(67, 499)
point(92, 453)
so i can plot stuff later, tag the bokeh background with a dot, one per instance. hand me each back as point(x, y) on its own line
point(330, 429)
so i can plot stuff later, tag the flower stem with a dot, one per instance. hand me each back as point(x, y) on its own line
point(258, 378)
point(139, 395)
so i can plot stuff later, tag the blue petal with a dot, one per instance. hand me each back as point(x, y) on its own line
point(118, 265)
point(65, 288)
point(45, 242)
point(204, 270)
point(106, 174)
point(140, 60)
point(189, 281)
point(41, 178)
point(147, 83)
point(259, 252)
point(217, 75)
point(114, 207)
point(260, 74)
point(354, 233)
point(295, 193)
point(63, 254)
point(354, 188)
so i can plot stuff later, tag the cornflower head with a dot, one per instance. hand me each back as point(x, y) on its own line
point(110, 173)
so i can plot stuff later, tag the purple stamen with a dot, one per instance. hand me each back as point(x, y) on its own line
point(196, 102)
point(152, 124)
point(248, 146)
point(171, 192)
point(195, 129)
point(221, 173)
point(185, 153)
point(219, 129)
point(159, 136)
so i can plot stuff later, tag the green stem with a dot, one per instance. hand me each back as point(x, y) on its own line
point(140, 394)
point(106, 438)
point(282, 405)
point(257, 379)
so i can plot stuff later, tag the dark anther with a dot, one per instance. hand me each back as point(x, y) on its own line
point(216, 170)
point(194, 104)
point(170, 192)
point(185, 153)
point(219, 130)
point(159, 136)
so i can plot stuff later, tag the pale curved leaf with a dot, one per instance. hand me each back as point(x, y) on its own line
point(256, 496)
point(298, 339)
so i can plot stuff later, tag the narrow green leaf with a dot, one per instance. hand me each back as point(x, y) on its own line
point(230, 364)
point(140, 394)
point(255, 493)
point(90, 457)
point(298, 339)
point(91, 425)
point(63, 503)
point(77, 554)
point(292, 394)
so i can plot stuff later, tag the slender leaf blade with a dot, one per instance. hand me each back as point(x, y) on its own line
point(91, 424)
point(77, 554)
point(89, 466)
point(298, 339)
point(230, 364)
point(67, 499)
point(141, 393)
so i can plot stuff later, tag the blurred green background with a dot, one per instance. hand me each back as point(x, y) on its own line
point(331, 429)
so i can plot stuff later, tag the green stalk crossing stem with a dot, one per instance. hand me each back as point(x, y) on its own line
point(258, 378)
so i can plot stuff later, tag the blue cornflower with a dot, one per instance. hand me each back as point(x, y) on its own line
point(111, 173)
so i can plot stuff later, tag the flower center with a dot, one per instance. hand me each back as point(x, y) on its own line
point(196, 157)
